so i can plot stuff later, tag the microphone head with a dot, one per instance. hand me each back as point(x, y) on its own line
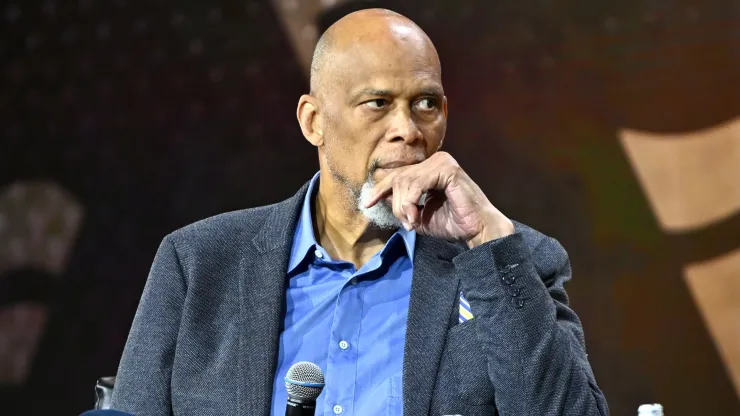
point(304, 381)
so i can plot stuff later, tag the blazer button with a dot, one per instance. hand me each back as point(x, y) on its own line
point(514, 291)
point(518, 302)
point(508, 279)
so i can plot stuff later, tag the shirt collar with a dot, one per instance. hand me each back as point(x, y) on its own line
point(304, 239)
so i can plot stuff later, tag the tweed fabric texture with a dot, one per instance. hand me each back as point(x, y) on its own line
point(204, 339)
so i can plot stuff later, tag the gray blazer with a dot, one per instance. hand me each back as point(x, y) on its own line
point(204, 340)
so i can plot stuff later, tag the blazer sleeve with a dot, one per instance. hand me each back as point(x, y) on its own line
point(142, 384)
point(532, 340)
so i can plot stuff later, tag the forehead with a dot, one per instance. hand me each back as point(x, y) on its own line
point(400, 62)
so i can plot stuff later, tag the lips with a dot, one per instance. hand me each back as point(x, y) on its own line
point(397, 164)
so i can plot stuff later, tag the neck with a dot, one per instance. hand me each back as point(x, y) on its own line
point(340, 227)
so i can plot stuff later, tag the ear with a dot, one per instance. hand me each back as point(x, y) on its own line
point(310, 120)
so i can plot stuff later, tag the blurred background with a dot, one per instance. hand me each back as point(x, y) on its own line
point(613, 126)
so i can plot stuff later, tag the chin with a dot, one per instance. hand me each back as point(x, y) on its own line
point(379, 215)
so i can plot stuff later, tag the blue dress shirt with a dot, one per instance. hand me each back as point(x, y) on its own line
point(351, 323)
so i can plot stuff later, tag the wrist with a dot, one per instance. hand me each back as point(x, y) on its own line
point(497, 226)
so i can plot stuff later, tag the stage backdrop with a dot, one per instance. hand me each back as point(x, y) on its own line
point(610, 125)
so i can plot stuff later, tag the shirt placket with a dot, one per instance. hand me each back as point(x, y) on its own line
point(341, 363)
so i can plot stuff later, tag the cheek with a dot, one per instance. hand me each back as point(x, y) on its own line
point(350, 157)
point(434, 135)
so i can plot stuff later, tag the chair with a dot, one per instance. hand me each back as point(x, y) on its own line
point(104, 392)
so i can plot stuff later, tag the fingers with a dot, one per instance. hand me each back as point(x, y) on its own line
point(405, 188)
point(403, 204)
point(380, 191)
point(410, 202)
point(431, 173)
point(396, 206)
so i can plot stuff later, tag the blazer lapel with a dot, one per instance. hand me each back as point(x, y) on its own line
point(262, 304)
point(434, 295)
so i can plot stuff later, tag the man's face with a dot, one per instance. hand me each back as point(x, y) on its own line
point(384, 107)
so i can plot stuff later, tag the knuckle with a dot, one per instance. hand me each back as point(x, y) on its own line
point(444, 155)
point(447, 161)
point(453, 167)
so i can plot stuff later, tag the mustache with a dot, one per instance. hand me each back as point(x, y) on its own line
point(373, 167)
point(376, 163)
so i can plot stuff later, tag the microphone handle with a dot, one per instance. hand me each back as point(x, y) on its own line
point(300, 407)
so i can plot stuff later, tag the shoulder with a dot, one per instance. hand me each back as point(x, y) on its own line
point(220, 233)
point(213, 228)
point(225, 238)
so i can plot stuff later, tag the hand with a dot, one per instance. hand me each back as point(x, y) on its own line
point(455, 208)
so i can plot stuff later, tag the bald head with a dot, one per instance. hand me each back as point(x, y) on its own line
point(377, 29)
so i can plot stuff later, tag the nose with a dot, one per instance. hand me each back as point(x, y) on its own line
point(403, 127)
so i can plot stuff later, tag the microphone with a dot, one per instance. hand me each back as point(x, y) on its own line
point(304, 383)
point(105, 412)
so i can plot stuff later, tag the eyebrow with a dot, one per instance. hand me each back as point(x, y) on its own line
point(371, 91)
point(432, 90)
point(435, 91)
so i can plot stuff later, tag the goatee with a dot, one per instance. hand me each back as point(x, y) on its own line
point(379, 215)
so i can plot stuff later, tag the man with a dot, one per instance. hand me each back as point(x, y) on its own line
point(390, 269)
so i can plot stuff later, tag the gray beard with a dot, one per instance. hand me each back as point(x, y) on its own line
point(379, 215)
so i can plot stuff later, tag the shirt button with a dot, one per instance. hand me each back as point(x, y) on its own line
point(318, 254)
point(343, 345)
point(338, 409)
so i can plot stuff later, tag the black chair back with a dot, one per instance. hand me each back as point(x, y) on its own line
point(104, 392)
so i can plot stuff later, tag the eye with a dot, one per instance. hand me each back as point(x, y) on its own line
point(376, 103)
point(428, 103)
